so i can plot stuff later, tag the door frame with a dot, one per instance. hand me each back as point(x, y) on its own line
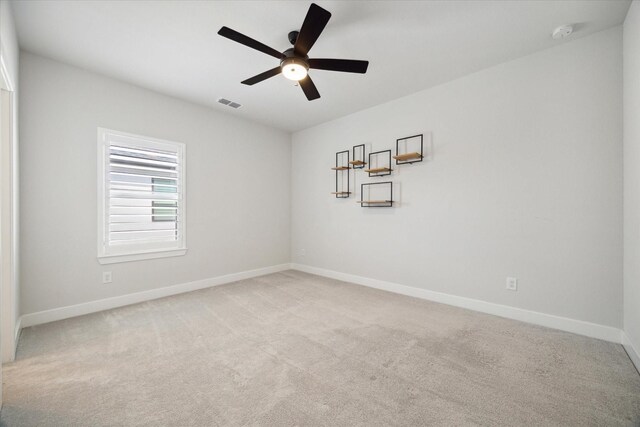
point(9, 323)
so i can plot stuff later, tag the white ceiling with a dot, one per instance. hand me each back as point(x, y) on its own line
point(173, 47)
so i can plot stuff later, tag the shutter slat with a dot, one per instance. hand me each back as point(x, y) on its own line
point(143, 180)
point(145, 188)
point(143, 203)
point(140, 190)
point(128, 209)
point(129, 226)
point(122, 174)
point(143, 171)
point(141, 219)
point(142, 234)
point(140, 202)
point(115, 158)
point(142, 153)
point(147, 195)
point(142, 240)
point(136, 165)
point(116, 183)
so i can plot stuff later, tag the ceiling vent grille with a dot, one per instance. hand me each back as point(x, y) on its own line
point(228, 103)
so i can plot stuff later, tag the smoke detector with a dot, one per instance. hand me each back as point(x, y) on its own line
point(562, 32)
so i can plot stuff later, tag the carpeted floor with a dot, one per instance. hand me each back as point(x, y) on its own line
point(297, 349)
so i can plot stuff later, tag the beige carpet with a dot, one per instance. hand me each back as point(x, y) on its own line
point(297, 349)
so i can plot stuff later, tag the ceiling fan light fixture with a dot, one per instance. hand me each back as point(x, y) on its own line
point(294, 69)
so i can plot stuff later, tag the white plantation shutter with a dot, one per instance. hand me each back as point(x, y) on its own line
point(142, 194)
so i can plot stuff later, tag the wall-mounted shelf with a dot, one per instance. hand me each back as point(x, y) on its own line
point(378, 170)
point(342, 175)
point(379, 163)
point(358, 157)
point(376, 195)
point(406, 157)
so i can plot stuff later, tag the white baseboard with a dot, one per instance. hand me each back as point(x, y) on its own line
point(52, 315)
point(632, 350)
point(580, 327)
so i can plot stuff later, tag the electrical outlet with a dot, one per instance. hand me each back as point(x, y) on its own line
point(106, 277)
point(512, 284)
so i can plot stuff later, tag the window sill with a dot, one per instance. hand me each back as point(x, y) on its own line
point(113, 259)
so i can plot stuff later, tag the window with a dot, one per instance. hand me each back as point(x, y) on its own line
point(141, 203)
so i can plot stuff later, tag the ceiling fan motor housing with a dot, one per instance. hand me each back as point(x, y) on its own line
point(290, 56)
point(293, 36)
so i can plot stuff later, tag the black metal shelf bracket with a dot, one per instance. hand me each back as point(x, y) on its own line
point(409, 159)
point(358, 156)
point(342, 168)
point(385, 201)
point(383, 170)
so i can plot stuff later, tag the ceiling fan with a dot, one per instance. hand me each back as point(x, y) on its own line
point(295, 62)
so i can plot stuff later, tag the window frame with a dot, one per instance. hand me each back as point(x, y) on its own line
point(134, 252)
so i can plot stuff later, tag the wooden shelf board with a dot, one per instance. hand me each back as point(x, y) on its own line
point(340, 168)
point(378, 170)
point(373, 202)
point(357, 162)
point(341, 192)
point(408, 156)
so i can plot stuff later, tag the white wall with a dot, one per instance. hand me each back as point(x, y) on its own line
point(525, 181)
point(632, 179)
point(238, 193)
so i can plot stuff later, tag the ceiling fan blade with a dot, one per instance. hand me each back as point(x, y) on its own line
point(312, 27)
point(309, 88)
point(344, 65)
point(262, 76)
point(249, 42)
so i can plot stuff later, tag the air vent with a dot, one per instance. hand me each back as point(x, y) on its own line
point(228, 103)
